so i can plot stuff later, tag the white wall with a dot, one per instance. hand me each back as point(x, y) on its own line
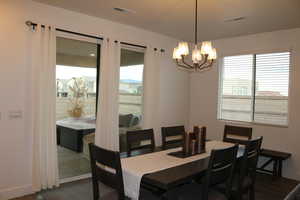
point(15, 138)
point(204, 94)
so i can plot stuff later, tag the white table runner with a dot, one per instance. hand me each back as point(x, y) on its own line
point(135, 167)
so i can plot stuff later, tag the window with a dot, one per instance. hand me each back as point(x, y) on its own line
point(130, 91)
point(254, 88)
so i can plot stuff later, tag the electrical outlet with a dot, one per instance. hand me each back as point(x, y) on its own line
point(15, 114)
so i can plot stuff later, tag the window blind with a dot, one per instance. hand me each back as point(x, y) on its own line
point(272, 87)
point(265, 74)
point(237, 88)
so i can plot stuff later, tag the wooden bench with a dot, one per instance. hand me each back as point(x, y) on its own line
point(275, 157)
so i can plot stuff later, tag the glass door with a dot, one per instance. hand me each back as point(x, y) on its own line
point(77, 72)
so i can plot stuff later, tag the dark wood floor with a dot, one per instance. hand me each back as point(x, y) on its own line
point(267, 188)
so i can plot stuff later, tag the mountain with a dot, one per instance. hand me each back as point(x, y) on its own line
point(129, 81)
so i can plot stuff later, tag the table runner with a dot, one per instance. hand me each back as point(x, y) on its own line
point(134, 168)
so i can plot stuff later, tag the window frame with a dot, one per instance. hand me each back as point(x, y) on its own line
point(220, 89)
point(99, 44)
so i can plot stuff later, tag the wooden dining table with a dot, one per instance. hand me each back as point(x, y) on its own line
point(171, 177)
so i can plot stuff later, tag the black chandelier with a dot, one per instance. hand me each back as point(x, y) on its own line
point(202, 58)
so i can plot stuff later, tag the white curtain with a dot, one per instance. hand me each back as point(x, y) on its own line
point(42, 97)
point(151, 114)
point(107, 127)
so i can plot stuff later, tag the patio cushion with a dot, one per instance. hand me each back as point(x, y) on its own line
point(125, 120)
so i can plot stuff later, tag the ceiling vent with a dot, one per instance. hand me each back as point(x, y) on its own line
point(124, 10)
point(235, 19)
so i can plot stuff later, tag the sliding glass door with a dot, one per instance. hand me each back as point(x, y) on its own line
point(130, 92)
point(77, 72)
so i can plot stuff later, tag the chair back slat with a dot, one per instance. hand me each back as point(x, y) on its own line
point(172, 135)
point(220, 169)
point(250, 159)
point(140, 139)
point(237, 134)
point(106, 168)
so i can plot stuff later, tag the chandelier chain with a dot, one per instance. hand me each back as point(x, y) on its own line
point(196, 22)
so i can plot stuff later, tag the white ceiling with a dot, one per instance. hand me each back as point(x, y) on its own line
point(175, 17)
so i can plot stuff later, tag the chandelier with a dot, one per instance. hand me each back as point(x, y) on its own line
point(202, 58)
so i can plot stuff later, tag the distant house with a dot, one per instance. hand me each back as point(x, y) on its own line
point(237, 87)
point(268, 93)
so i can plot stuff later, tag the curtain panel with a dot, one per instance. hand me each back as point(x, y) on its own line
point(151, 115)
point(42, 95)
point(107, 124)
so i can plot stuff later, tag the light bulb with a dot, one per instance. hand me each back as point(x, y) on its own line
point(196, 56)
point(183, 48)
point(206, 48)
point(213, 54)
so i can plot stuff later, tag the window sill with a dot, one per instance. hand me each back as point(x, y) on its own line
point(252, 123)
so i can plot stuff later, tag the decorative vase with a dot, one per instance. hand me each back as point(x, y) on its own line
point(76, 112)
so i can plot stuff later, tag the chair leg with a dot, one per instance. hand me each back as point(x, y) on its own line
point(252, 193)
point(239, 196)
point(95, 190)
point(121, 196)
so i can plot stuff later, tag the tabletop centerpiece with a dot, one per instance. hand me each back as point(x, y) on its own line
point(78, 91)
point(193, 143)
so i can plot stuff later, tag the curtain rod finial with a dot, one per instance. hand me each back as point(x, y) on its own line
point(28, 23)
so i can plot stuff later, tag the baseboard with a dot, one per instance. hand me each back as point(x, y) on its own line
point(76, 178)
point(15, 192)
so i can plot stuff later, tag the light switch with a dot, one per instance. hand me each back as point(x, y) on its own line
point(15, 114)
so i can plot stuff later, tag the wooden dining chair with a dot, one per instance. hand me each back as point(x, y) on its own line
point(245, 174)
point(220, 171)
point(172, 136)
point(237, 134)
point(142, 140)
point(106, 168)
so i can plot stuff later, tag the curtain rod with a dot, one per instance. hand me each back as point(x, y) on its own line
point(30, 23)
point(130, 44)
point(137, 45)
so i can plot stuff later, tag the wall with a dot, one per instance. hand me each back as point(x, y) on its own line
point(204, 94)
point(16, 139)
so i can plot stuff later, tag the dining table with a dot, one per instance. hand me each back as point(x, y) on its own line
point(162, 171)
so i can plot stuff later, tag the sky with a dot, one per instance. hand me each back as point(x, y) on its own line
point(67, 72)
point(134, 72)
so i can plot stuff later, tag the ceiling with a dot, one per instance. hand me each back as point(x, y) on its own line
point(175, 17)
point(72, 52)
point(75, 47)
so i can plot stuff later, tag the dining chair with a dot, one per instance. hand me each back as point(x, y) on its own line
point(172, 136)
point(245, 174)
point(106, 168)
point(142, 140)
point(220, 171)
point(237, 134)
